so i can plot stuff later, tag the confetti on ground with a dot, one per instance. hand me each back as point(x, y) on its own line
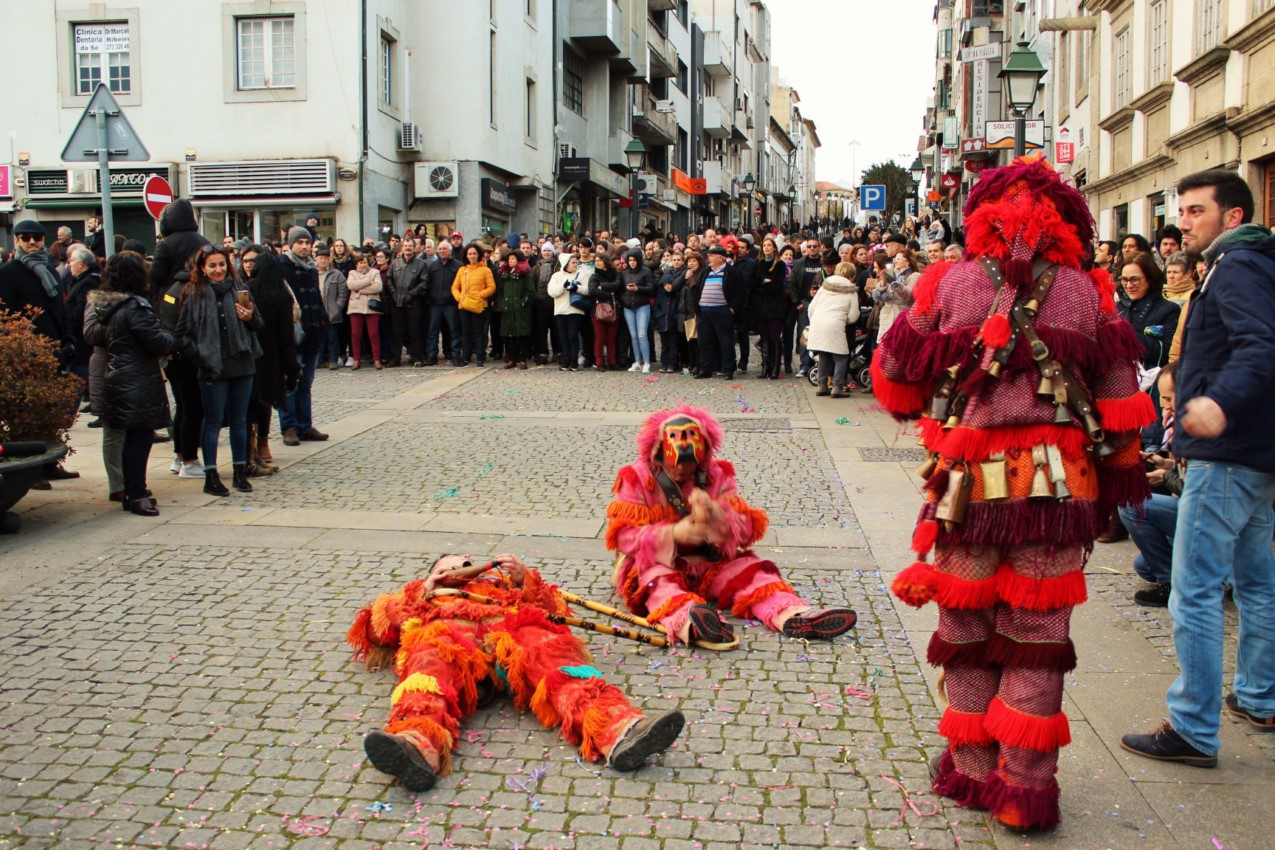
point(842, 420)
point(492, 416)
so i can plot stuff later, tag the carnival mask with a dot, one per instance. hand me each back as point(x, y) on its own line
point(683, 440)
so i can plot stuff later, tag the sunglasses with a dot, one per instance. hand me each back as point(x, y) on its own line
point(29, 237)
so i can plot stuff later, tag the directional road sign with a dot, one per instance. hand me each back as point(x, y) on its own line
point(872, 198)
point(123, 143)
point(156, 194)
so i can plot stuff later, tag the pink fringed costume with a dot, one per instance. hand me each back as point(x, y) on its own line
point(662, 581)
point(1007, 573)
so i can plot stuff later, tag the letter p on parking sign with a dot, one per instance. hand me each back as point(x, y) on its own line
point(872, 198)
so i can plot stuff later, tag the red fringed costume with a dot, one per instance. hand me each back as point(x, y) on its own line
point(1007, 575)
point(446, 648)
point(660, 581)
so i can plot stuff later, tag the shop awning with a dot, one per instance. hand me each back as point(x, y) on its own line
point(6, 206)
point(272, 201)
point(82, 203)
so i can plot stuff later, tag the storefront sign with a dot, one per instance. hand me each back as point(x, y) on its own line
point(48, 182)
point(497, 197)
point(129, 181)
point(973, 145)
point(1000, 135)
point(1064, 148)
point(6, 184)
point(951, 130)
point(978, 96)
point(688, 184)
point(573, 168)
point(101, 38)
point(981, 53)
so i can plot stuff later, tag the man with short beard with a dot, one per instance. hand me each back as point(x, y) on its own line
point(295, 418)
point(407, 281)
point(444, 315)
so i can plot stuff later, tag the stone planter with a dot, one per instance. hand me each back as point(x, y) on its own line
point(16, 478)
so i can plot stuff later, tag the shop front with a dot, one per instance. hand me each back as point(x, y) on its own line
point(263, 199)
point(61, 196)
point(589, 194)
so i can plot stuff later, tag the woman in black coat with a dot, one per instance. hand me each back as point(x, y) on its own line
point(665, 319)
point(1143, 305)
point(277, 367)
point(770, 302)
point(137, 402)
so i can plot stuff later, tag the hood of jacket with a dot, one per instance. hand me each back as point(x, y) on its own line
point(837, 283)
point(177, 217)
point(106, 303)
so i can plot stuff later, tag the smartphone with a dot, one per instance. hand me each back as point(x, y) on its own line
point(244, 299)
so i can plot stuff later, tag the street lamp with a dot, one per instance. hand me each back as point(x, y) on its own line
point(1022, 75)
point(792, 199)
point(748, 182)
point(818, 198)
point(635, 156)
point(918, 171)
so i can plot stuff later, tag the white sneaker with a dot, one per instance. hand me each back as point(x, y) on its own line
point(646, 368)
point(349, 361)
point(580, 360)
point(177, 465)
point(636, 367)
point(194, 469)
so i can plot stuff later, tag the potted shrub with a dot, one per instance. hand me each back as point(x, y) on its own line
point(37, 403)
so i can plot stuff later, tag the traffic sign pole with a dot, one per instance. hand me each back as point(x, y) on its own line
point(104, 179)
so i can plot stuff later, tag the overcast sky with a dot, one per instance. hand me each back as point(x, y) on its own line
point(850, 59)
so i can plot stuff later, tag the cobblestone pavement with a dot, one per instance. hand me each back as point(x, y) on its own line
point(189, 687)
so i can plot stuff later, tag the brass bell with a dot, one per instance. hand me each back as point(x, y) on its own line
point(952, 422)
point(926, 469)
point(995, 478)
point(1061, 416)
point(1046, 386)
point(994, 369)
point(1040, 485)
point(1032, 307)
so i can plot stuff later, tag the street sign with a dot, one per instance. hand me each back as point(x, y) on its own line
point(6, 190)
point(974, 166)
point(124, 145)
point(872, 198)
point(981, 52)
point(933, 196)
point(104, 134)
point(950, 181)
point(1000, 135)
point(1064, 152)
point(973, 145)
point(156, 194)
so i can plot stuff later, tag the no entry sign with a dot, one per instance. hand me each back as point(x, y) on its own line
point(156, 194)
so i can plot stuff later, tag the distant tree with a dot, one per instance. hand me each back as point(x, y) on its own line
point(897, 183)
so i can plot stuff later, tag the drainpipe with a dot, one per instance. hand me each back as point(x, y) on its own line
point(362, 108)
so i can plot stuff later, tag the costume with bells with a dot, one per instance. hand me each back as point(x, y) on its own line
point(448, 649)
point(1032, 419)
point(671, 582)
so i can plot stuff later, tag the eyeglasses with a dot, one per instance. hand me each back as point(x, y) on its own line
point(1131, 280)
point(29, 237)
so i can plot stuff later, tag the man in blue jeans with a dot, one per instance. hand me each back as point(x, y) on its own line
point(444, 316)
point(1225, 404)
point(1153, 524)
point(303, 277)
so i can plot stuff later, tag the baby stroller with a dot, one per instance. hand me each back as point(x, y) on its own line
point(857, 372)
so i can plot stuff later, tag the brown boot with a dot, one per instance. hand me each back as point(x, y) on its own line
point(1115, 530)
point(263, 448)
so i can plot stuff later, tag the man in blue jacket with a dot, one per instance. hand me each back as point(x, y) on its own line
point(1225, 407)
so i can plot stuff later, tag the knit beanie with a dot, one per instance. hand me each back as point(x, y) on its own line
point(297, 233)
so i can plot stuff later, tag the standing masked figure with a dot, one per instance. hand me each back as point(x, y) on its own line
point(682, 534)
point(1027, 379)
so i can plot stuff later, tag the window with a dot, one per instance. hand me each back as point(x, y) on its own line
point(1158, 46)
point(492, 79)
point(945, 41)
point(1083, 45)
point(1120, 69)
point(267, 53)
point(531, 109)
point(573, 81)
point(1064, 70)
point(1260, 6)
point(102, 56)
point(1120, 217)
point(1209, 31)
point(682, 77)
point(387, 70)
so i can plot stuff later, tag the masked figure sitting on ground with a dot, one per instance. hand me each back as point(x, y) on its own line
point(682, 534)
point(453, 651)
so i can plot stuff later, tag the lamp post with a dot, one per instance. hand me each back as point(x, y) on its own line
point(748, 183)
point(818, 218)
point(792, 199)
point(1021, 73)
point(635, 156)
point(918, 171)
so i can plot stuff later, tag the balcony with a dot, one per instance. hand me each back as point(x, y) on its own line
point(663, 54)
point(615, 148)
point(714, 177)
point(649, 124)
point(661, 5)
point(597, 26)
point(715, 120)
point(717, 58)
point(739, 128)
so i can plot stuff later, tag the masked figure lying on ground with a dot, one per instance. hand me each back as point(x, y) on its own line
point(452, 654)
point(682, 534)
point(1032, 421)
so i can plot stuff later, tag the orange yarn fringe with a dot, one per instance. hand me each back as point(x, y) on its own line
point(744, 604)
point(915, 585)
point(438, 737)
point(672, 604)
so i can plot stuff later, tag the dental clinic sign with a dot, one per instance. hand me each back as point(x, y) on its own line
point(101, 38)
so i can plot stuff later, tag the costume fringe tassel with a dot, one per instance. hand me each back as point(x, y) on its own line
point(960, 788)
point(1027, 731)
point(1009, 653)
point(963, 727)
point(944, 653)
point(1023, 808)
point(915, 585)
point(1041, 594)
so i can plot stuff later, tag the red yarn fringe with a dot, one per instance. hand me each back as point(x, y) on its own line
point(1007, 652)
point(1118, 340)
point(978, 444)
point(925, 289)
point(943, 653)
point(1020, 807)
point(956, 592)
point(357, 636)
point(960, 727)
point(1027, 731)
point(902, 401)
point(965, 791)
point(923, 537)
point(1106, 290)
point(996, 331)
point(1018, 273)
point(915, 585)
point(1041, 594)
point(1131, 413)
point(1024, 521)
point(1121, 485)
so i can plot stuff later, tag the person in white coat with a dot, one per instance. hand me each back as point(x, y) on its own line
point(834, 306)
point(562, 286)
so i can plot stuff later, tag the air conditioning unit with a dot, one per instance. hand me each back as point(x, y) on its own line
point(409, 136)
point(646, 183)
point(566, 152)
point(437, 180)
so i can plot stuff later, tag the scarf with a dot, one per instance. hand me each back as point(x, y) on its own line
point(1242, 233)
point(37, 262)
point(1181, 291)
point(205, 322)
point(297, 261)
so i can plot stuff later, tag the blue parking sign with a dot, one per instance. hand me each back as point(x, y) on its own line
point(872, 198)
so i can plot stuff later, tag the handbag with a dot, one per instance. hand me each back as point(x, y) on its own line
point(375, 304)
point(580, 302)
point(605, 311)
point(691, 328)
point(298, 330)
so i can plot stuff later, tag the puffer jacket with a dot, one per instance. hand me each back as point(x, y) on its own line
point(544, 270)
point(517, 293)
point(473, 285)
point(633, 299)
point(664, 314)
point(135, 342)
point(96, 334)
point(180, 230)
point(833, 307)
point(769, 297)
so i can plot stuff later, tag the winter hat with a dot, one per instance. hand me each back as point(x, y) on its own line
point(322, 250)
point(565, 258)
point(897, 239)
point(547, 248)
point(719, 251)
point(29, 226)
point(634, 243)
point(296, 234)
